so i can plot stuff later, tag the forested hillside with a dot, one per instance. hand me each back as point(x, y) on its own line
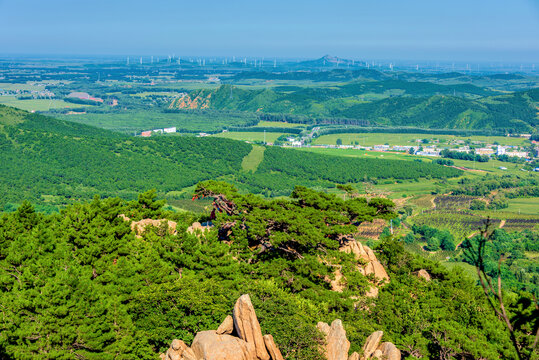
point(389, 102)
point(53, 162)
point(81, 284)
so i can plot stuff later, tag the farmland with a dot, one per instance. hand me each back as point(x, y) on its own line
point(372, 139)
point(251, 136)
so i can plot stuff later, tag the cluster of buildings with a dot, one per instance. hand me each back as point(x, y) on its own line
point(149, 133)
point(36, 94)
point(424, 149)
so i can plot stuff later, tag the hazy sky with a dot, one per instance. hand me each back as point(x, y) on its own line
point(498, 30)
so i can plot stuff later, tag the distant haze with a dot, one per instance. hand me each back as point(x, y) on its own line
point(457, 30)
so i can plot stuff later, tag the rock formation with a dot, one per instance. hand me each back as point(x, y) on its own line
point(368, 265)
point(365, 253)
point(226, 327)
point(179, 351)
point(390, 351)
point(249, 344)
point(423, 274)
point(139, 226)
point(273, 350)
point(207, 345)
point(197, 227)
point(372, 343)
point(337, 345)
point(247, 326)
point(222, 344)
point(374, 350)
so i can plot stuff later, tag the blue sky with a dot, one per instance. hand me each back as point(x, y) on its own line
point(497, 30)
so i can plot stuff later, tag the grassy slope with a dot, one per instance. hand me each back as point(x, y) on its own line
point(253, 159)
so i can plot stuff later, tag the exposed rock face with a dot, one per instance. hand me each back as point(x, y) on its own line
point(365, 253)
point(273, 350)
point(390, 351)
point(372, 343)
point(208, 345)
point(337, 345)
point(336, 284)
point(251, 345)
point(374, 350)
point(227, 327)
point(179, 351)
point(247, 326)
point(197, 227)
point(372, 292)
point(372, 266)
point(139, 226)
point(424, 274)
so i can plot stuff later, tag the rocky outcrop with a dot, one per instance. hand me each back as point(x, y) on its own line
point(273, 350)
point(249, 344)
point(368, 264)
point(423, 274)
point(365, 253)
point(390, 351)
point(372, 343)
point(222, 344)
point(197, 227)
point(139, 227)
point(337, 345)
point(247, 326)
point(207, 345)
point(374, 350)
point(226, 327)
point(179, 351)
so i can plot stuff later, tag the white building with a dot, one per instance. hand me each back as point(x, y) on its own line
point(169, 130)
point(520, 154)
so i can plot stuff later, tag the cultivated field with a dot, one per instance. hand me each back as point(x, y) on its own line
point(370, 139)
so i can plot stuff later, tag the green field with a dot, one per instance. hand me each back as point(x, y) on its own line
point(280, 124)
point(253, 159)
point(492, 166)
point(140, 120)
point(36, 104)
point(22, 87)
point(251, 136)
point(370, 139)
point(524, 206)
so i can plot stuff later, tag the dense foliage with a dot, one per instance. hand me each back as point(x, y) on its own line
point(518, 271)
point(80, 284)
point(389, 102)
point(54, 162)
point(511, 185)
point(436, 239)
point(459, 155)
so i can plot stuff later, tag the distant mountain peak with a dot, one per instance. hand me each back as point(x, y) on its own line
point(333, 59)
